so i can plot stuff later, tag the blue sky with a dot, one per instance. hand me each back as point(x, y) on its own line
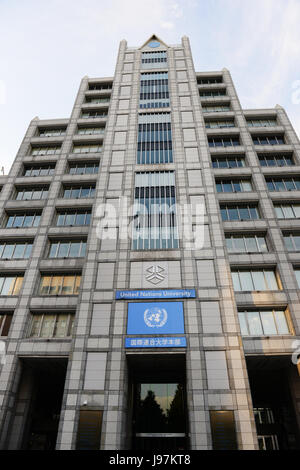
point(47, 46)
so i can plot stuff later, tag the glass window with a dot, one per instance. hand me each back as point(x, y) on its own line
point(243, 323)
point(251, 244)
point(254, 322)
point(8, 286)
point(281, 323)
point(68, 285)
point(246, 281)
point(63, 250)
point(19, 251)
point(271, 280)
point(47, 326)
point(268, 323)
point(75, 250)
point(55, 287)
point(8, 251)
point(60, 328)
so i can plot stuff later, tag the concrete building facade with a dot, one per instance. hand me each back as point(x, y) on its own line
point(80, 371)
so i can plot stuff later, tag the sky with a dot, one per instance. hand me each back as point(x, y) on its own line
point(47, 46)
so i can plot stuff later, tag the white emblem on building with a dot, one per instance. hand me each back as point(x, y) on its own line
point(155, 275)
point(155, 317)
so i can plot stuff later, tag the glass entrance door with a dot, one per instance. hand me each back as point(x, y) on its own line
point(159, 418)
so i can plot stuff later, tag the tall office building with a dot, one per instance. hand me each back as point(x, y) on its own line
point(120, 327)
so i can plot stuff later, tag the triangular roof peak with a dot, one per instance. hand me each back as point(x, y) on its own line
point(154, 39)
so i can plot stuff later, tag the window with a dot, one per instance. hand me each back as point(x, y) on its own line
point(152, 60)
point(231, 161)
point(212, 93)
point(268, 122)
point(215, 108)
point(258, 280)
point(283, 184)
point(5, 322)
point(154, 90)
point(268, 442)
point(53, 150)
point(97, 99)
point(28, 194)
point(292, 241)
point(10, 285)
point(223, 141)
point(155, 225)
point(83, 168)
point(287, 211)
point(233, 186)
point(23, 220)
point(79, 192)
point(67, 249)
point(276, 160)
point(51, 325)
point(91, 130)
point(100, 86)
point(48, 170)
point(263, 416)
point(154, 143)
point(83, 148)
point(297, 274)
point(73, 218)
point(264, 323)
point(67, 284)
point(268, 140)
point(55, 132)
point(209, 80)
point(93, 113)
point(246, 244)
point(239, 212)
point(15, 250)
point(219, 124)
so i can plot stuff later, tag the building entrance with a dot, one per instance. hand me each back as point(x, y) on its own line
point(158, 403)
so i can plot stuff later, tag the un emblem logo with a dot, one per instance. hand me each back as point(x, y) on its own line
point(155, 317)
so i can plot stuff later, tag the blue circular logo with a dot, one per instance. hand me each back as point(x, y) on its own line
point(154, 44)
point(155, 317)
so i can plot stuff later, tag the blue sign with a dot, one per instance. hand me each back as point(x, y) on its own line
point(155, 318)
point(156, 294)
point(164, 342)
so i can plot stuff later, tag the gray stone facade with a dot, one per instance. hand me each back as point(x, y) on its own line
point(216, 354)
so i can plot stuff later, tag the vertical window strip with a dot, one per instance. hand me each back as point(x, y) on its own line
point(154, 143)
point(155, 218)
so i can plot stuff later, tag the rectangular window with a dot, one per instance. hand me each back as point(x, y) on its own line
point(100, 86)
point(264, 323)
point(231, 161)
point(209, 80)
point(97, 99)
point(212, 93)
point(73, 218)
point(276, 160)
point(84, 148)
point(23, 220)
point(48, 132)
point(15, 250)
point(292, 241)
point(154, 60)
point(94, 113)
point(287, 211)
point(219, 124)
point(51, 325)
point(50, 150)
point(10, 285)
point(268, 140)
point(297, 274)
point(59, 285)
point(5, 322)
point(83, 168)
point(155, 225)
point(79, 192)
point(239, 212)
point(216, 108)
point(233, 186)
point(246, 244)
point(255, 280)
point(283, 184)
point(48, 170)
point(28, 194)
point(223, 141)
point(91, 130)
point(154, 143)
point(268, 122)
point(67, 249)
